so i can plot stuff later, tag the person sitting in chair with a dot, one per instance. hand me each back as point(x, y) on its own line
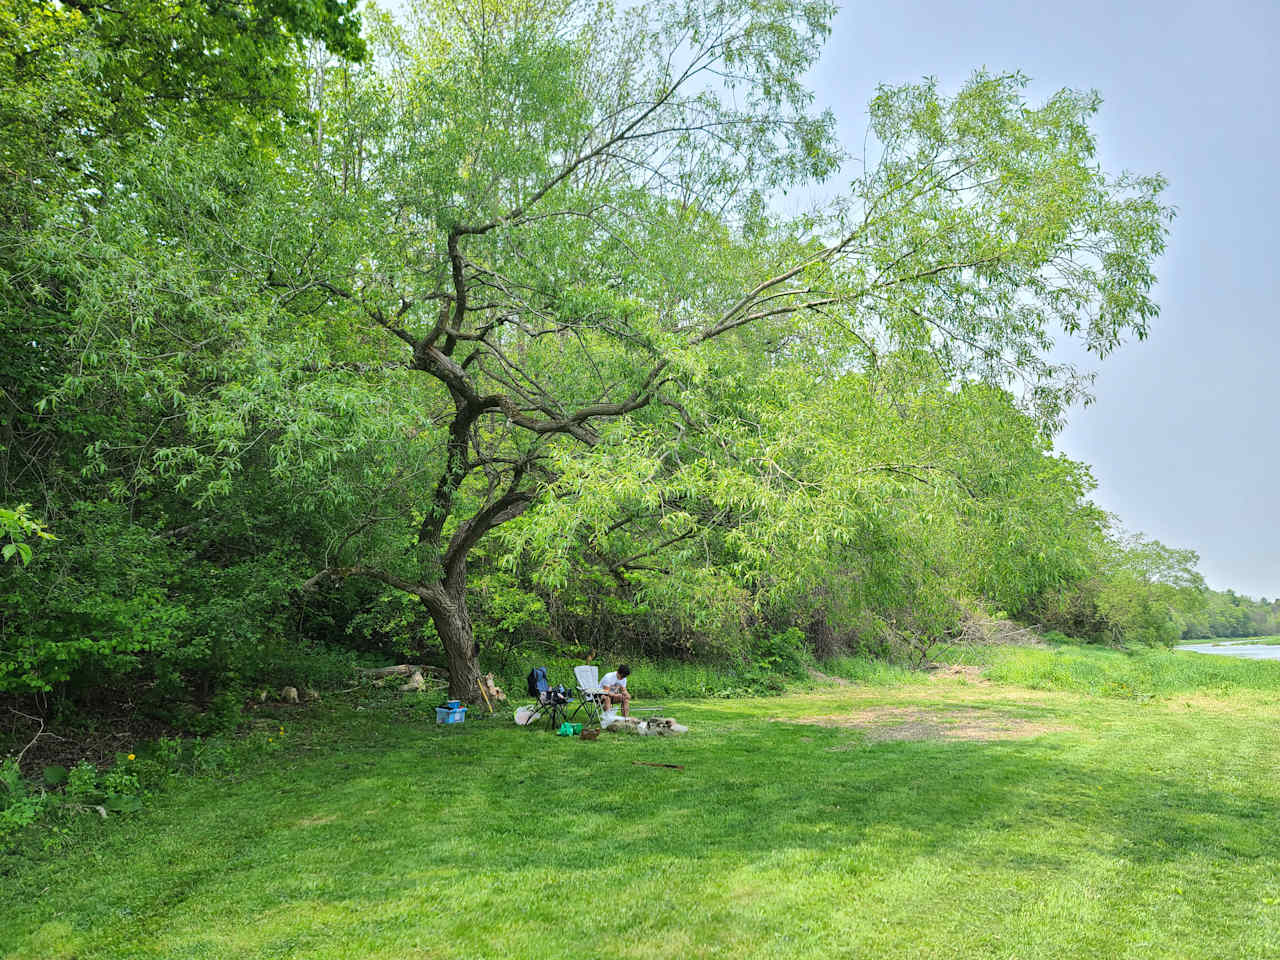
point(615, 688)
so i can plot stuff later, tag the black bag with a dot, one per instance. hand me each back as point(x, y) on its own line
point(537, 683)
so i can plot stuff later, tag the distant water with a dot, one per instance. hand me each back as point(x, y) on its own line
point(1250, 651)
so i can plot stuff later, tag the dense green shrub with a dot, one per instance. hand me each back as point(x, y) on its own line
point(118, 608)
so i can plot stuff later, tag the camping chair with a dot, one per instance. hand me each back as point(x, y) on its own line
point(552, 701)
point(590, 693)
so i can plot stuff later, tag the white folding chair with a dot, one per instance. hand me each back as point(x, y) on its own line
point(590, 693)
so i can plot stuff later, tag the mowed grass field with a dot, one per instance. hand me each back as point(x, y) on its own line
point(944, 817)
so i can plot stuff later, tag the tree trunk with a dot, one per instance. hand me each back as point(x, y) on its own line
point(448, 609)
point(820, 635)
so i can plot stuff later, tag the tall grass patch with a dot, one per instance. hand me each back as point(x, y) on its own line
point(1104, 671)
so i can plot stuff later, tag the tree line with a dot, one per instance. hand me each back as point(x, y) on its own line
point(1226, 613)
point(479, 331)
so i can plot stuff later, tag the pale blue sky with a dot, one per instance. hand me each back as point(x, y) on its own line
point(1183, 437)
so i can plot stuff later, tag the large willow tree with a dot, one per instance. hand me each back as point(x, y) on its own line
point(527, 243)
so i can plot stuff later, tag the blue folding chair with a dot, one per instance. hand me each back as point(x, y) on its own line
point(552, 702)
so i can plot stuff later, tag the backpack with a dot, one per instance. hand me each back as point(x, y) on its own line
point(537, 683)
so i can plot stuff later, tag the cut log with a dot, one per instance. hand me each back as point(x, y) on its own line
point(491, 689)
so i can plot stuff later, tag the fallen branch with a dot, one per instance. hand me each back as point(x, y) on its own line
point(645, 763)
point(39, 733)
point(403, 669)
point(88, 808)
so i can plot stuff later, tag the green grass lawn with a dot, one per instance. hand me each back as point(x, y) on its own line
point(1127, 826)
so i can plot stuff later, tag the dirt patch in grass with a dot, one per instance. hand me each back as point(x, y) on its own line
point(913, 723)
point(818, 675)
point(958, 670)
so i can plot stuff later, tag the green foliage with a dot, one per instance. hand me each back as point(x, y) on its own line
point(44, 809)
point(1137, 673)
point(120, 72)
point(1228, 614)
point(1148, 589)
point(114, 602)
point(21, 806)
point(1136, 590)
point(16, 526)
point(50, 811)
point(783, 654)
point(133, 602)
point(82, 783)
point(489, 307)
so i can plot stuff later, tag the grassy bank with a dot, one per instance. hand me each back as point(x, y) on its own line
point(1246, 642)
point(1037, 817)
point(1138, 672)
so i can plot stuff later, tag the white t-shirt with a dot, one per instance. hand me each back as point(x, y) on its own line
point(611, 679)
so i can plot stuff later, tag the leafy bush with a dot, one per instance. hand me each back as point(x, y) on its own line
point(21, 805)
point(782, 654)
point(119, 608)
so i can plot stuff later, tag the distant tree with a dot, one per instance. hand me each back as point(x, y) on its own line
point(1149, 590)
point(1229, 614)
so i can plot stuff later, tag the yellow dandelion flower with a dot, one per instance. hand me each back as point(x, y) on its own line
point(131, 756)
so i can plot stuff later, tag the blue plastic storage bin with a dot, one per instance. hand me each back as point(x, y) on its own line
point(447, 715)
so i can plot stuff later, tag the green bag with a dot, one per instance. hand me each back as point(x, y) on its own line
point(568, 729)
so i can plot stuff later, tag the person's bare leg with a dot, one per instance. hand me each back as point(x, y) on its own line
point(626, 703)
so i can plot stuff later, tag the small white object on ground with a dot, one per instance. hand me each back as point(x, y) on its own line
point(526, 715)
